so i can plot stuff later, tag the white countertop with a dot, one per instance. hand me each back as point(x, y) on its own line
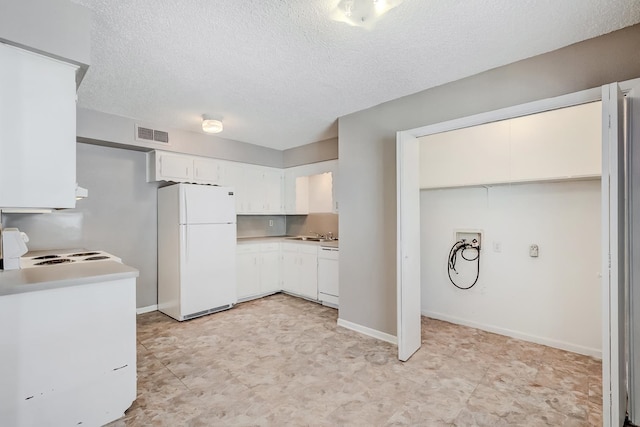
point(286, 239)
point(62, 275)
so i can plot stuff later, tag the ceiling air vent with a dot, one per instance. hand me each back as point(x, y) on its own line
point(151, 135)
point(160, 136)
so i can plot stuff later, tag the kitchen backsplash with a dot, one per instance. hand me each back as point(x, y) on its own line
point(258, 225)
point(305, 225)
point(56, 230)
point(290, 225)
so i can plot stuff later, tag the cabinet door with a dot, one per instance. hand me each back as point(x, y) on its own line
point(272, 191)
point(289, 192)
point(308, 267)
point(290, 272)
point(477, 154)
point(557, 144)
point(254, 189)
point(270, 271)
point(206, 171)
point(175, 167)
point(37, 131)
point(296, 193)
point(302, 195)
point(234, 177)
point(321, 193)
point(248, 274)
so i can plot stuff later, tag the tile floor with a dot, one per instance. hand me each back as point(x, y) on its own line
point(282, 361)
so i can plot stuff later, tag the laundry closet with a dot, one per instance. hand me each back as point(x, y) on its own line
point(510, 218)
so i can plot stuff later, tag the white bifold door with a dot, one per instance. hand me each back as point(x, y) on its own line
point(614, 254)
point(408, 261)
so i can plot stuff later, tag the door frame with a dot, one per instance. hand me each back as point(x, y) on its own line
point(408, 270)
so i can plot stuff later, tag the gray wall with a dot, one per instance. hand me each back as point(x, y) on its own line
point(311, 153)
point(95, 127)
point(367, 155)
point(119, 216)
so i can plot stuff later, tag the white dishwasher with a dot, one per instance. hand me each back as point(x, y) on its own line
point(328, 275)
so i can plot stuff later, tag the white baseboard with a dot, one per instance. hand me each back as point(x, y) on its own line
point(368, 331)
point(147, 309)
point(562, 345)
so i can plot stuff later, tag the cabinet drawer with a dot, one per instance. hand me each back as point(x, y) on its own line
point(308, 249)
point(290, 247)
point(269, 247)
point(247, 249)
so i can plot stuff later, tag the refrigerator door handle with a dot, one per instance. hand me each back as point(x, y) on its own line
point(185, 236)
point(186, 205)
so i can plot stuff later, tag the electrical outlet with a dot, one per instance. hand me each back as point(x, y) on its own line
point(533, 251)
point(270, 223)
point(497, 247)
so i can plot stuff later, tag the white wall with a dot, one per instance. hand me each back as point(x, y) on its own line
point(553, 299)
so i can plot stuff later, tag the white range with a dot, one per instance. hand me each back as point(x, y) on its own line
point(65, 257)
point(67, 339)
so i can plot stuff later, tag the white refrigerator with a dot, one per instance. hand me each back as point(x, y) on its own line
point(196, 250)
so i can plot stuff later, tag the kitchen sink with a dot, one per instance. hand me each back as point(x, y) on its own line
point(311, 239)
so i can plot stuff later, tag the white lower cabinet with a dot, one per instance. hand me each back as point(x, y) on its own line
point(68, 354)
point(258, 270)
point(270, 268)
point(300, 269)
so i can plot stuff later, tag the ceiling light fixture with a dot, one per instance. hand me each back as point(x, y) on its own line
point(362, 13)
point(210, 125)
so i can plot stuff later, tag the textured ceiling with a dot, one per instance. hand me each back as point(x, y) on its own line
point(279, 73)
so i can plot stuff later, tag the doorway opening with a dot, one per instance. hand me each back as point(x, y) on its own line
point(612, 240)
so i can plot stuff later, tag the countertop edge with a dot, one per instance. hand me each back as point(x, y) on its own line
point(62, 276)
point(285, 239)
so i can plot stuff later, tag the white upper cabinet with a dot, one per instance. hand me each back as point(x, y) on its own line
point(321, 193)
point(296, 193)
point(37, 131)
point(553, 145)
point(311, 188)
point(176, 167)
point(259, 190)
point(557, 144)
point(272, 183)
point(172, 167)
point(233, 175)
point(469, 156)
point(206, 171)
